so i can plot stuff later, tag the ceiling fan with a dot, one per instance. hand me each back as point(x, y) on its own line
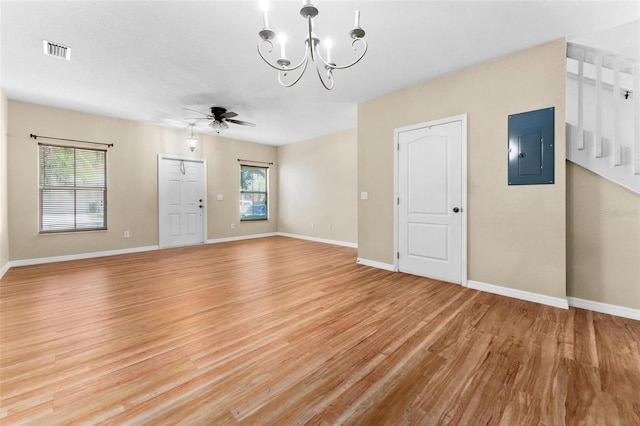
point(219, 118)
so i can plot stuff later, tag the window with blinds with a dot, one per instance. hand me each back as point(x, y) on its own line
point(73, 189)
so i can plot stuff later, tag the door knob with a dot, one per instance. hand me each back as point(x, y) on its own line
point(456, 209)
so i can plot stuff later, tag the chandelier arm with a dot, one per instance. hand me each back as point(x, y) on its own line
point(325, 63)
point(276, 67)
point(283, 72)
point(342, 67)
point(329, 76)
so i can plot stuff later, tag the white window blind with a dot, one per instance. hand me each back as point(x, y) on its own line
point(73, 190)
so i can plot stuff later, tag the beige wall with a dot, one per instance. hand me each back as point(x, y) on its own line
point(4, 213)
point(603, 240)
point(318, 185)
point(132, 180)
point(516, 234)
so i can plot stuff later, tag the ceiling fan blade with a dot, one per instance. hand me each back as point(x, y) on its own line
point(199, 112)
point(228, 114)
point(240, 122)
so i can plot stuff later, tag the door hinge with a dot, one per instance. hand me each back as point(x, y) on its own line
point(398, 255)
point(398, 147)
point(398, 201)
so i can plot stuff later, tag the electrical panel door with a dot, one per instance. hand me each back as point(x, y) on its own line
point(531, 147)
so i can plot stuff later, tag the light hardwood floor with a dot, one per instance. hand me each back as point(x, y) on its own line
point(284, 331)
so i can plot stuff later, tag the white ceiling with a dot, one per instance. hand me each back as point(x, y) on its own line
point(147, 60)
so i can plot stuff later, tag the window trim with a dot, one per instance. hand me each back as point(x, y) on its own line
point(75, 189)
point(265, 192)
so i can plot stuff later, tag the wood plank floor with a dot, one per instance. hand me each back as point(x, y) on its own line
point(284, 331)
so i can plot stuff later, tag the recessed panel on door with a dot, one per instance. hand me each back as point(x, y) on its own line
point(191, 192)
point(191, 223)
point(192, 184)
point(174, 192)
point(429, 241)
point(174, 225)
point(428, 168)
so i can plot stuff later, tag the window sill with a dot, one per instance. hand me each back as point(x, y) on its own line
point(81, 231)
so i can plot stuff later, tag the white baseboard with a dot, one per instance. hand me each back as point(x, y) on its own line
point(4, 269)
point(605, 308)
point(318, 240)
point(41, 260)
point(557, 302)
point(374, 264)
point(241, 237)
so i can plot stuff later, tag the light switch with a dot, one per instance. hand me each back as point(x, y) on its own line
point(220, 197)
point(364, 195)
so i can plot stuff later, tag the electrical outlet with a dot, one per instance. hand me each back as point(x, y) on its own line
point(233, 226)
point(126, 234)
point(329, 227)
point(313, 226)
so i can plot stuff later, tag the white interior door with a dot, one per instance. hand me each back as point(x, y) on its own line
point(432, 200)
point(181, 201)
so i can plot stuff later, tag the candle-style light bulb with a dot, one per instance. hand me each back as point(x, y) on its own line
point(282, 39)
point(264, 7)
point(329, 44)
point(357, 20)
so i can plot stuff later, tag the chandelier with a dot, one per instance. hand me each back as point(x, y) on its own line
point(324, 66)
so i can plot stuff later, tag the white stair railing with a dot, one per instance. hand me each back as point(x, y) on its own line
point(598, 61)
point(603, 113)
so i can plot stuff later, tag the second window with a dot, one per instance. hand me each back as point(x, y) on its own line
point(254, 182)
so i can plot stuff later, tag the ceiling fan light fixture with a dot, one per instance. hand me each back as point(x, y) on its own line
point(219, 125)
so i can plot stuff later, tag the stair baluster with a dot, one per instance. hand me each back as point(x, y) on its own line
point(598, 151)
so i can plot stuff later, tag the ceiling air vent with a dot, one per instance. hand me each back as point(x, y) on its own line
point(56, 50)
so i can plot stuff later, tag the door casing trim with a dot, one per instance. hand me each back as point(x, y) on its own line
point(396, 165)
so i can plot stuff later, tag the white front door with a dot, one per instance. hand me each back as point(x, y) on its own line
point(181, 201)
point(431, 205)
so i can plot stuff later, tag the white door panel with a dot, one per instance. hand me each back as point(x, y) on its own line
point(427, 169)
point(428, 241)
point(181, 199)
point(430, 185)
point(174, 220)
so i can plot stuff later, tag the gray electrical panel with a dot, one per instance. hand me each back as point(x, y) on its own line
point(531, 147)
